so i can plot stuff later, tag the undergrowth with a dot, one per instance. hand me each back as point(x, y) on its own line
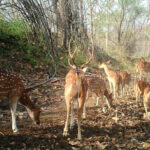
point(15, 42)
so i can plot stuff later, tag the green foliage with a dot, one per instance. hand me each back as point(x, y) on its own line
point(14, 40)
point(16, 28)
point(12, 34)
point(80, 54)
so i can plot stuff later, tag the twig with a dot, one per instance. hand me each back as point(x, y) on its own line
point(1, 133)
point(68, 67)
point(44, 82)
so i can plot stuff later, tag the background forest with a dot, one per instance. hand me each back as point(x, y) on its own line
point(38, 31)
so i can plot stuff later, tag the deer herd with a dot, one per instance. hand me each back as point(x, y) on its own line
point(77, 86)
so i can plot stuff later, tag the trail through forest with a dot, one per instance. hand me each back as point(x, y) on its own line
point(99, 130)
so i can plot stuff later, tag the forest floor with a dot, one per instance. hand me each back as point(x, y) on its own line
point(99, 130)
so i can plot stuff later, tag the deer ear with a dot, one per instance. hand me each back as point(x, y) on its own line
point(108, 62)
point(84, 69)
point(110, 95)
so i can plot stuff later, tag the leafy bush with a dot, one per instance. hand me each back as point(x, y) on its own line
point(14, 40)
point(15, 27)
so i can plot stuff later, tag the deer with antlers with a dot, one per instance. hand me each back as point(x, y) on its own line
point(142, 67)
point(75, 87)
point(98, 86)
point(114, 78)
point(12, 89)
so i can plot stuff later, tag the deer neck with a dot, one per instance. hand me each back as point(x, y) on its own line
point(107, 70)
point(30, 107)
point(25, 100)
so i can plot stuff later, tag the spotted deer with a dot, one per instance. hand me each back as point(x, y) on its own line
point(75, 88)
point(114, 78)
point(12, 89)
point(147, 99)
point(97, 85)
point(139, 87)
point(142, 67)
point(126, 79)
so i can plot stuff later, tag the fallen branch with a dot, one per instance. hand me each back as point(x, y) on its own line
point(44, 82)
point(1, 133)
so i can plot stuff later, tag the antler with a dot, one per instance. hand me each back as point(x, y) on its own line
point(71, 56)
point(90, 59)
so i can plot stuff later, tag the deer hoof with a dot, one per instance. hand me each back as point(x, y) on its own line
point(84, 116)
point(15, 130)
point(104, 110)
point(65, 133)
point(79, 139)
point(71, 126)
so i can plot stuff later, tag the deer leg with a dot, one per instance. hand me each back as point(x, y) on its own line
point(103, 108)
point(68, 104)
point(122, 92)
point(117, 90)
point(137, 97)
point(123, 89)
point(84, 111)
point(97, 101)
point(84, 107)
point(140, 99)
point(110, 85)
point(145, 108)
point(13, 107)
point(127, 89)
point(114, 89)
point(87, 95)
point(107, 101)
point(72, 116)
point(80, 109)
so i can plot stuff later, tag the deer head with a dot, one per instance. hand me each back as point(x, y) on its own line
point(104, 64)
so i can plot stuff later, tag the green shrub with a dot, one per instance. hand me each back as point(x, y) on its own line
point(15, 27)
point(14, 40)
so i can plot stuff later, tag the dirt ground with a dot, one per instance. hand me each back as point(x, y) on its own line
point(100, 130)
